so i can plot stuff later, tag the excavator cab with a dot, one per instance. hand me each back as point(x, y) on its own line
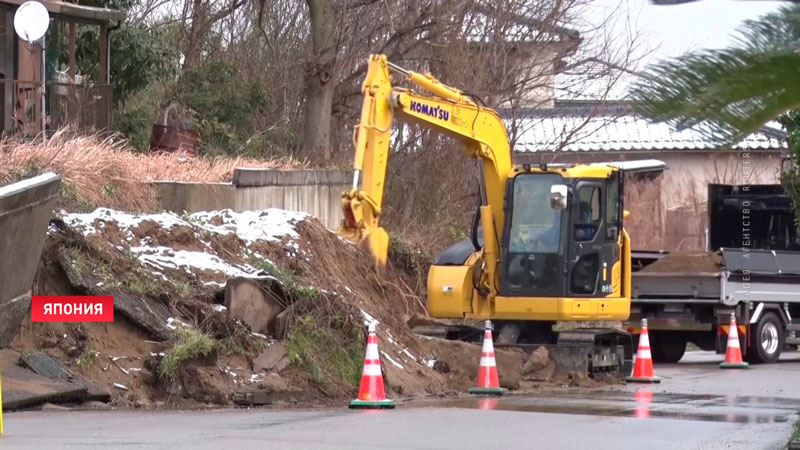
point(562, 252)
point(562, 235)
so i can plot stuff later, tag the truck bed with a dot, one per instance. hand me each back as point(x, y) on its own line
point(728, 276)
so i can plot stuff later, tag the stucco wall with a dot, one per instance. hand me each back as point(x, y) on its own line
point(686, 172)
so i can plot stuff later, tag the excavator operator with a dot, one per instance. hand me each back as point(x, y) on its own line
point(535, 236)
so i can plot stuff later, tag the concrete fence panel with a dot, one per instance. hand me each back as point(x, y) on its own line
point(316, 192)
point(25, 211)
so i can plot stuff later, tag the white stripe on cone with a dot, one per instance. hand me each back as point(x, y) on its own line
point(372, 369)
point(487, 361)
point(644, 340)
point(372, 351)
point(644, 354)
point(733, 336)
point(487, 346)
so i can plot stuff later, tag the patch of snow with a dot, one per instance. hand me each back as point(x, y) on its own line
point(268, 225)
point(368, 319)
point(85, 222)
point(167, 258)
point(259, 335)
point(256, 378)
point(219, 308)
point(394, 363)
point(345, 240)
point(405, 350)
point(229, 371)
point(120, 386)
point(429, 362)
point(173, 323)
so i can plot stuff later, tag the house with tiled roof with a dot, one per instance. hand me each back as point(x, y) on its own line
point(596, 131)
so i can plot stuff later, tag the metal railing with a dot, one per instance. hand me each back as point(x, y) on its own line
point(81, 106)
point(21, 106)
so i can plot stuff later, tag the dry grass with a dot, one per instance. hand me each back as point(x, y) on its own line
point(108, 172)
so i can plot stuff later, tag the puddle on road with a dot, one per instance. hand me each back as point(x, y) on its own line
point(744, 401)
point(645, 405)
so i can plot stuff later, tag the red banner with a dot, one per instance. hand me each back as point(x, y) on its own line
point(72, 308)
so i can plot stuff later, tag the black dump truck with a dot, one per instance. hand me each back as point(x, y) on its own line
point(751, 269)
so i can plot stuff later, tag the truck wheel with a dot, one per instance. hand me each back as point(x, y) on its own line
point(766, 341)
point(667, 347)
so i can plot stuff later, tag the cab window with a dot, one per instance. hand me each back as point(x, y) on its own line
point(534, 237)
point(589, 213)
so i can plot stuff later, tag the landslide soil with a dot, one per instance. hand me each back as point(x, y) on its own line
point(346, 285)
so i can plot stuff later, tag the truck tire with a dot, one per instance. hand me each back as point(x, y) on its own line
point(766, 340)
point(667, 347)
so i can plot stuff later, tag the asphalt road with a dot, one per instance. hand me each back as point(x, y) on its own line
point(697, 406)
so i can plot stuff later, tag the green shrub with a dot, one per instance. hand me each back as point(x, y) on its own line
point(191, 343)
point(331, 355)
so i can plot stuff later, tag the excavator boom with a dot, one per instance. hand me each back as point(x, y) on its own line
point(450, 112)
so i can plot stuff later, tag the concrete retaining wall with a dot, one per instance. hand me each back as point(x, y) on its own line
point(317, 192)
point(25, 211)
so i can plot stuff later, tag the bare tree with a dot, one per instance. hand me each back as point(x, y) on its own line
point(319, 79)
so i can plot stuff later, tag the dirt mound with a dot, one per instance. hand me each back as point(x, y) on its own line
point(174, 343)
point(686, 262)
point(458, 361)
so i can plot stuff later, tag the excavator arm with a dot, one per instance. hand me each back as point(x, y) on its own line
point(446, 110)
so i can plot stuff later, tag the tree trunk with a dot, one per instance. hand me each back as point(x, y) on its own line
point(319, 82)
point(193, 41)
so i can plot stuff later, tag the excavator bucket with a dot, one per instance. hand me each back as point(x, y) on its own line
point(376, 242)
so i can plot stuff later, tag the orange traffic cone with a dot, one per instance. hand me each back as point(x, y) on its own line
point(371, 394)
point(643, 365)
point(488, 382)
point(733, 354)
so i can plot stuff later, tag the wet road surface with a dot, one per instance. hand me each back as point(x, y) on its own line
point(697, 406)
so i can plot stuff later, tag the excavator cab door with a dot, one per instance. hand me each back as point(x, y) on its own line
point(594, 233)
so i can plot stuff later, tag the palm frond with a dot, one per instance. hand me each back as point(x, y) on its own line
point(729, 93)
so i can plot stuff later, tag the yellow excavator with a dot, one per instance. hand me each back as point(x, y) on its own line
point(547, 242)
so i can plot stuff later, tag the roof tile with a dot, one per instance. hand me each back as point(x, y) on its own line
point(543, 132)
